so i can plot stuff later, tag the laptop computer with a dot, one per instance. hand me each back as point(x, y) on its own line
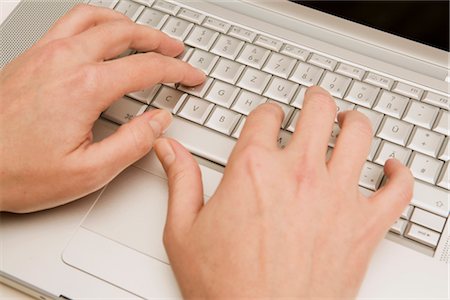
point(109, 244)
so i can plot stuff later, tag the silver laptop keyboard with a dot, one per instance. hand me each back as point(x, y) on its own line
point(246, 68)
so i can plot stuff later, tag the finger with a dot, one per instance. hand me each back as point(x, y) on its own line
point(352, 146)
point(314, 125)
point(261, 127)
point(185, 184)
point(140, 71)
point(393, 197)
point(110, 39)
point(79, 19)
point(129, 143)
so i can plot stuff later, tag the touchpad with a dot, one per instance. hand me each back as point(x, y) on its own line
point(132, 211)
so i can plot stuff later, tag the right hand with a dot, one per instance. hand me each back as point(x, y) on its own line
point(282, 223)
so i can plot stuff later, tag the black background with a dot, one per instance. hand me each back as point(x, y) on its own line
point(426, 22)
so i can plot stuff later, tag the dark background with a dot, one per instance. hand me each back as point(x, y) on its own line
point(426, 22)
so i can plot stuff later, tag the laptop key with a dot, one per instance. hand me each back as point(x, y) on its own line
point(399, 226)
point(391, 104)
point(223, 120)
point(201, 37)
point(362, 93)
point(306, 74)
point(431, 198)
point(281, 90)
point(191, 16)
point(227, 46)
point(425, 168)
point(129, 8)
point(152, 18)
point(425, 141)
point(242, 33)
point(322, 61)
point(199, 90)
point(379, 80)
point(227, 70)
point(395, 131)
point(177, 28)
point(388, 150)
point(423, 235)
point(247, 101)
point(407, 90)
point(203, 60)
point(428, 219)
point(169, 99)
point(442, 124)
point(104, 3)
point(196, 109)
point(279, 64)
point(437, 100)
point(253, 80)
point(124, 110)
point(167, 7)
point(421, 114)
point(216, 24)
point(371, 175)
point(350, 71)
point(335, 84)
point(444, 179)
point(253, 56)
point(268, 42)
point(222, 93)
point(145, 96)
point(295, 52)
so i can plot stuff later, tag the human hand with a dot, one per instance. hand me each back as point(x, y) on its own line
point(51, 96)
point(282, 223)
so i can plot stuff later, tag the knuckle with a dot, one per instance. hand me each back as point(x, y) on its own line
point(143, 143)
point(58, 48)
point(87, 78)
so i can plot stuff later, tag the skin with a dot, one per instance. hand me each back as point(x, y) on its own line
point(282, 223)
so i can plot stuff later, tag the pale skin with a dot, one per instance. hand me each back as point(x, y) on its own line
point(283, 223)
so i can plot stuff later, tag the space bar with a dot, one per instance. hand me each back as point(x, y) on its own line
point(201, 141)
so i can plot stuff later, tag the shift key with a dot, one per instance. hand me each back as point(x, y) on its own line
point(431, 198)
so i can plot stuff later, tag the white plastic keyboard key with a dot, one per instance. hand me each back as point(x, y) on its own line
point(424, 167)
point(371, 175)
point(407, 90)
point(281, 90)
point(169, 99)
point(350, 71)
point(379, 80)
point(423, 235)
point(254, 80)
point(104, 3)
point(444, 154)
point(343, 106)
point(428, 219)
point(431, 198)
point(306, 74)
point(191, 15)
point(129, 8)
point(201, 37)
point(399, 226)
point(375, 118)
point(147, 3)
point(222, 93)
point(437, 100)
point(362, 94)
point(153, 18)
point(335, 84)
point(196, 110)
point(242, 33)
point(294, 120)
point(177, 28)
point(322, 61)
point(279, 64)
point(299, 97)
point(203, 60)
point(227, 70)
point(238, 129)
point(295, 52)
point(334, 135)
point(267, 42)
point(146, 96)
point(444, 179)
point(222, 120)
point(287, 110)
point(395, 131)
point(124, 110)
point(391, 104)
point(247, 101)
point(167, 7)
point(425, 141)
point(227, 46)
point(216, 24)
point(388, 150)
point(407, 212)
point(421, 114)
point(442, 124)
point(283, 138)
point(253, 56)
point(374, 148)
point(199, 90)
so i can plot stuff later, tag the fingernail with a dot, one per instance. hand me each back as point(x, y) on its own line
point(160, 121)
point(165, 151)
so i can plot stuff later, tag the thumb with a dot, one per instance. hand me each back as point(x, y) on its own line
point(185, 183)
point(392, 198)
point(128, 144)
